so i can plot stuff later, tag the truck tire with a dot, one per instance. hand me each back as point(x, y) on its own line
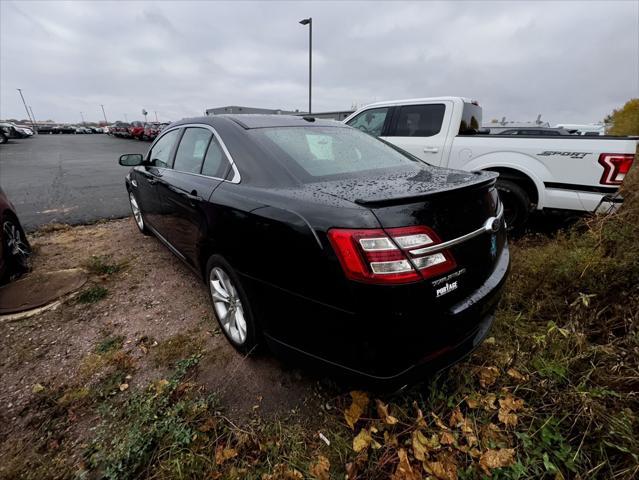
point(516, 202)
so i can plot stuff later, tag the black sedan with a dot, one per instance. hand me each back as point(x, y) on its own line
point(325, 242)
point(14, 246)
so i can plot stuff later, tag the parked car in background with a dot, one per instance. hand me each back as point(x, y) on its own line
point(550, 131)
point(10, 131)
point(45, 129)
point(23, 130)
point(151, 130)
point(354, 236)
point(14, 246)
point(536, 172)
point(592, 129)
point(121, 129)
point(66, 129)
point(136, 130)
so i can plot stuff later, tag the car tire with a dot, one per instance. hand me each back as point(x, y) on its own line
point(3, 138)
point(231, 305)
point(138, 216)
point(15, 246)
point(516, 202)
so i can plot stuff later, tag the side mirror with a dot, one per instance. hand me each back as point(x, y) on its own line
point(131, 159)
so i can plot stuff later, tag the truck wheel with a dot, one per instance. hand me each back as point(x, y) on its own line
point(516, 204)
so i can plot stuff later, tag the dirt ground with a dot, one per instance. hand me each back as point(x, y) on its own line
point(154, 308)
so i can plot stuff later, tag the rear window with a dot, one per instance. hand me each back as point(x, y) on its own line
point(471, 119)
point(329, 151)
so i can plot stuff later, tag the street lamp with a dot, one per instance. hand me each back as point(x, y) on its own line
point(104, 114)
point(309, 21)
point(27, 110)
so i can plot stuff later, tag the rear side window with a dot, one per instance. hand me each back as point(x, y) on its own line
point(370, 121)
point(160, 154)
point(190, 153)
point(215, 161)
point(419, 120)
point(471, 119)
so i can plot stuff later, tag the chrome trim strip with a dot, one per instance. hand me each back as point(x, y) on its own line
point(486, 227)
point(236, 173)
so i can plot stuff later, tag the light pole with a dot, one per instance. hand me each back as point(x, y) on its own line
point(104, 114)
point(33, 117)
point(25, 107)
point(82, 115)
point(156, 116)
point(309, 21)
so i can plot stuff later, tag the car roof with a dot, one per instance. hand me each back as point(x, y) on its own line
point(250, 121)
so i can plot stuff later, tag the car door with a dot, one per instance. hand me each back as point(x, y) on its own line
point(421, 129)
point(185, 190)
point(148, 176)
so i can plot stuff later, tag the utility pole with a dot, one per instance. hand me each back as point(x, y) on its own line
point(105, 119)
point(82, 115)
point(309, 22)
point(26, 109)
point(156, 116)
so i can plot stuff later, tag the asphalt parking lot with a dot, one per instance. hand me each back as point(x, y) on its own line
point(66, 178)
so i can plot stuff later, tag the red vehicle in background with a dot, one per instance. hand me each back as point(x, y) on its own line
point(151, 130)
point(14, 246)
point(136, 130)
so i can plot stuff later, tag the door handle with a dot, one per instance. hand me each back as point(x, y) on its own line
point(431, 149)
point(193, 197)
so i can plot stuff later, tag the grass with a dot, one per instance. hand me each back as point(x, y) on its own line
point(102, 265)
point(177, 347)
point(93, 294)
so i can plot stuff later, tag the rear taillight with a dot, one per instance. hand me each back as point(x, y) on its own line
point(616, 166)
point(383, 256)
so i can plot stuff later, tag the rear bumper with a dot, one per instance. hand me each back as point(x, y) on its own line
point(383, 349)
point(610, 204)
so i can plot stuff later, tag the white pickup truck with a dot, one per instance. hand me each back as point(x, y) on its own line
point(573, 173)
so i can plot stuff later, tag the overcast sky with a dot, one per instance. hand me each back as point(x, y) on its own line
point(570, 61)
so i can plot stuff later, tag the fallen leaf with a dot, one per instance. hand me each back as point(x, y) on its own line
point(362, 440)
point(160, 385)
point(438, 422)
point(382, 411)
point(320, 468)
point(208, 425)
point(404, 469)
point(447, 438)
point(488, 401)
point(420, 445)
point(124, 386)
point(223, 454)
point(507, 408)
point(516, 375)
point(441, 470)
point(488, 376)
point(37, 388)
point(282, 472)
point(456, 418)
point(473, 402)
point(490, 459)
point(358, 405)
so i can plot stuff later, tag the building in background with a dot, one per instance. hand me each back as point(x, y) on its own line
point(236, 109)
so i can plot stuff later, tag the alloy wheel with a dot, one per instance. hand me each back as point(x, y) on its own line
point(137, 213)
point(228, 306)
point(15, 244)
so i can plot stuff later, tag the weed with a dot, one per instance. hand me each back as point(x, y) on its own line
point(167, 352)
point(93, 294)
point(109, 344)
point(101, 265)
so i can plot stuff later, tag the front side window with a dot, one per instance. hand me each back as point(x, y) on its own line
point(419, 120)
point(370, 121)
point(329, 151)
point(190, 153)
point(160, 154)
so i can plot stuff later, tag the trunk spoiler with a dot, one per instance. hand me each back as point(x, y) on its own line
point(442, 191)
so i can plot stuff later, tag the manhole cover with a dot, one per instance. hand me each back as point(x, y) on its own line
point(39, 289)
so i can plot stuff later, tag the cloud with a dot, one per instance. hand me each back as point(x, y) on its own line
point(570, 61)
